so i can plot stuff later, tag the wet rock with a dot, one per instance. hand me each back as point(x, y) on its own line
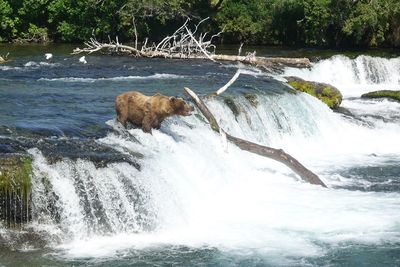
point(15, 188)
point(24, 239)
point(328, 94)
point(100, 155)
point(232, 106)
point(344, 111)
point(395, 95)
point(252, 98)
point(57, 149)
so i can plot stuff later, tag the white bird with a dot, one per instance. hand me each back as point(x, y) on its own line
point(48, 56)
point(82, 60)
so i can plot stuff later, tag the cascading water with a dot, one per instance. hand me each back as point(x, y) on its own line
point(353, 76)
point(185, 196)
point(193, 191)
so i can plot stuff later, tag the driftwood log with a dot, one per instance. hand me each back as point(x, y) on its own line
point(272, 153)
point(185, 43)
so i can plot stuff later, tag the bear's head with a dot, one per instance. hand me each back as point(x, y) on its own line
point(180, 107)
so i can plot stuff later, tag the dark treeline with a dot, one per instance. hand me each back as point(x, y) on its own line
point(330, 23)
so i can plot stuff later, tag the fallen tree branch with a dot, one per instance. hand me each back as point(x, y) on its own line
point(272, 153)
point(4, 58)
point(231, 81)
point(185, 43)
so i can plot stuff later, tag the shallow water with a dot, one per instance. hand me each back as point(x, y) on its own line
point(104, 196)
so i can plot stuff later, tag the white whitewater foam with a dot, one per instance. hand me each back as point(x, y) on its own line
point(203, 195)
point(29, 65)
point(33, 64)
point(237, 201)
point(301, 123)
point(197, 193)
point(6, 68)
point(119, 78)
point(353, 77)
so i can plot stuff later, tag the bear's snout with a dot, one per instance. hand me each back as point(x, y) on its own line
point(188, 110)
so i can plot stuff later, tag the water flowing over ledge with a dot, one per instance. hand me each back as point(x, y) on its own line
point(183, 191)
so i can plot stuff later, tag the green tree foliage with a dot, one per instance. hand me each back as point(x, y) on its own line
point(7, 21)
point(244, 20)
point(368, 22)
point(284, 22)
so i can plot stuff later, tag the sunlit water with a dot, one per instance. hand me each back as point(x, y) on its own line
point(104, 196)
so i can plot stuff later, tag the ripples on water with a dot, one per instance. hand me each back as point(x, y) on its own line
point(108, 197)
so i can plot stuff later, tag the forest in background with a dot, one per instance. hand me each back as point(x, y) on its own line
point(323, 23)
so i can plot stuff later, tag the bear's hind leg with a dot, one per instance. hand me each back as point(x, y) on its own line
point(147, 123)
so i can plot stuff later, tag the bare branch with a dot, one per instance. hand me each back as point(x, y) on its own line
point(135, 30)
point(199, 45)
point(240, 49)
point(231, 81)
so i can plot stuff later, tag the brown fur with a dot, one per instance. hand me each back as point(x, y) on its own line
point(148, 111)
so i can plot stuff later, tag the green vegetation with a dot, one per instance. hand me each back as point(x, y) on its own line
point(395, 95)
point(329, 23)
point(15, 188)
point(324, 92)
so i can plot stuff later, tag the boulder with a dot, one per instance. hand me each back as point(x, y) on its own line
point(327, 93)
point(395, 95)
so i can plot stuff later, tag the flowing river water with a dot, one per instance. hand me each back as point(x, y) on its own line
point(103, 196)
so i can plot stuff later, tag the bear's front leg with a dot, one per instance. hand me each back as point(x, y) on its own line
point(156, 123)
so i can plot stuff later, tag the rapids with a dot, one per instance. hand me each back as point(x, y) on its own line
point(182, 196)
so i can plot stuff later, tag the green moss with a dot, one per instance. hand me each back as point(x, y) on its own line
point(15, 173)
point(303, 87)
point(324, 92)
point(395, 95)
point(15, 188)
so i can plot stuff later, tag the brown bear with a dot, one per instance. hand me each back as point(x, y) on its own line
point(148, 111)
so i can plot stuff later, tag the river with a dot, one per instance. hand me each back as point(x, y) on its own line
point(103, 196)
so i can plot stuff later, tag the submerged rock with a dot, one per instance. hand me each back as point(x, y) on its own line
point(328, 94)
point(232, 106)
point(395, 95)
point(15, 188)
point(252, 98)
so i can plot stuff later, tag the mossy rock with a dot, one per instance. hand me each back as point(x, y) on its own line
point(15, 188)
point(252, 98)
point(395, 95)
point(327, 93)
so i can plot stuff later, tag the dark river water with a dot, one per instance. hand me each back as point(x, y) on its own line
point(105, 196)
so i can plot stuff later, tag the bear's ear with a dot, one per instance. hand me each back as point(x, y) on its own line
point(172, 98)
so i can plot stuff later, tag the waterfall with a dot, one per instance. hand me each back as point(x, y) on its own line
point(353, 76)
point(193, 189)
